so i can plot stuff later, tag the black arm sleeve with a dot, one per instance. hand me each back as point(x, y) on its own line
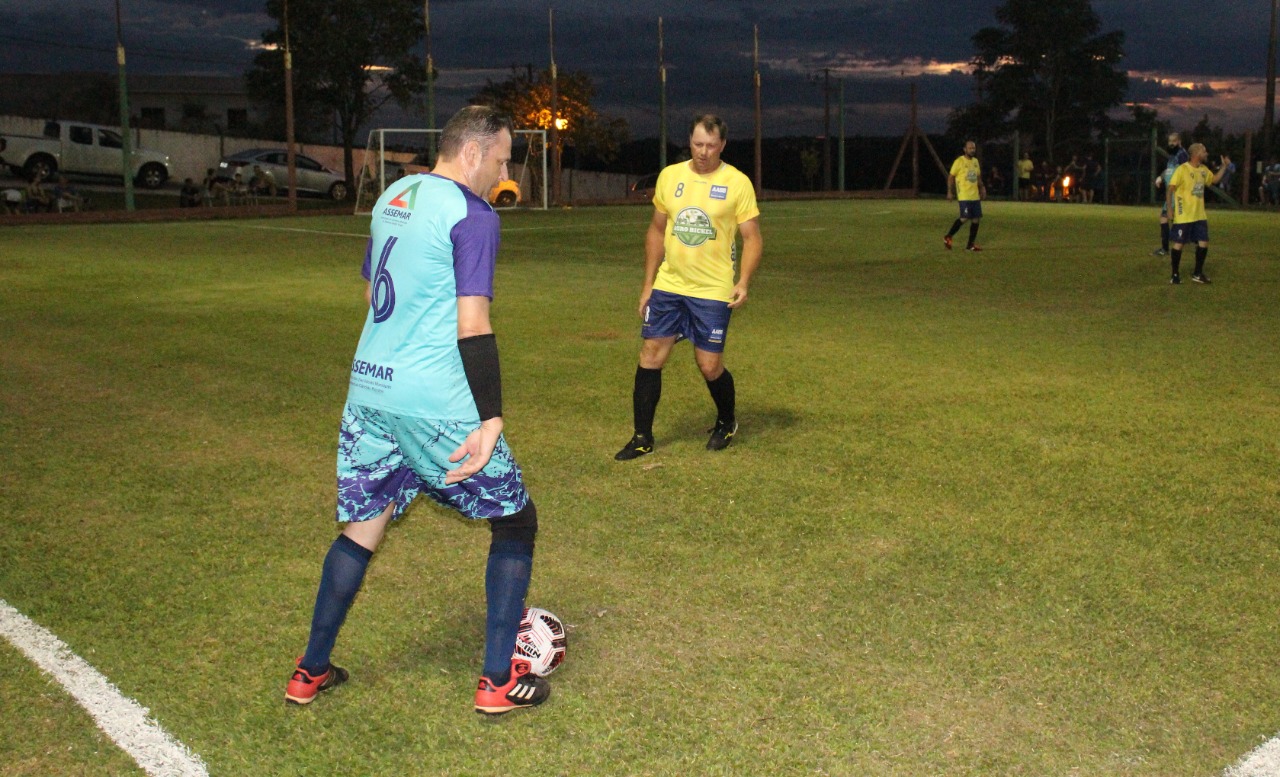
point(480, 362)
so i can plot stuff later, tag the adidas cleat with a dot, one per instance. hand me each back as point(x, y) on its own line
point(523, 689)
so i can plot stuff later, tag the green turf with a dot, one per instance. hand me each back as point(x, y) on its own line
point(1002, 513)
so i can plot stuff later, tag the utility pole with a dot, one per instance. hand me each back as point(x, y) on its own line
point(826, 132)
point(126, 142)
point(662, 102)
point(555, 110)
point(755, 32)
point(431, 87)
point(290, 151)
point(840, 156)
point(1268, 120)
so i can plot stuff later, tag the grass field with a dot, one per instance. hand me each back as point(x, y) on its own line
point(1012, 513)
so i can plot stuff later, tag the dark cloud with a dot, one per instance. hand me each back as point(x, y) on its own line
point(875, 48)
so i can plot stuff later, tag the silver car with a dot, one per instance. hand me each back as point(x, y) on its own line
point(313, 177)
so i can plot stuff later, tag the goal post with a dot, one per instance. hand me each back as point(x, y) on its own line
point(391, 153)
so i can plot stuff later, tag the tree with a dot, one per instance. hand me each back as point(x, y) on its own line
point(1046, 71)
point(595, 138)
point(350, 57)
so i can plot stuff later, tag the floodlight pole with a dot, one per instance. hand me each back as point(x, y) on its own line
point(826, 132)
point(291, 158)
point(662, 102)
point(840, 155)
point(755, 60)
point(431, 87)
point(1269, 118)
point(126, 143)
point(555, 109)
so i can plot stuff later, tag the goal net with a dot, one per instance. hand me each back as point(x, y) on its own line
point(391, 154)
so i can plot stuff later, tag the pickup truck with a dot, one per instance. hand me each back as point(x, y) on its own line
point(80, 149)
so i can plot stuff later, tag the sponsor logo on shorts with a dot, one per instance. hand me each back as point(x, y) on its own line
point(375, 371)
point(719, 192)
point(693, 227)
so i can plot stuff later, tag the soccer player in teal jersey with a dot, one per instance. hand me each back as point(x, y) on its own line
point(424, 406)
point(1177, 158)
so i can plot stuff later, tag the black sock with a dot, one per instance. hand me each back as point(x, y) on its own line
point(644, 399)
point(1201, 253)
point(1164, 236)
point(723, 394)
point(955, 227)
point(340, 580)
point(1175, 259)
point(973, 232)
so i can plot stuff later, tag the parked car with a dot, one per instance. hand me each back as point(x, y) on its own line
point(643, 188)
point(313, 177)
point(75, 148)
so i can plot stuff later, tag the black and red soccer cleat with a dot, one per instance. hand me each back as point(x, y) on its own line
point(974, 247)
point(303, 687)
point(946, 241)
point(523, 689)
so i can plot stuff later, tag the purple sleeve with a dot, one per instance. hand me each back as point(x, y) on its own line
point(366, 270)
point(475, 249)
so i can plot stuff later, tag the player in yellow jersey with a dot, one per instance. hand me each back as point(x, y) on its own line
point(1185, 204)
point(965, 184)
point(689, 289)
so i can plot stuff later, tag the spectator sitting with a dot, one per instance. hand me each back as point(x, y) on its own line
point(213, 188)
point(12, 201)
point(996, 184)
point(38, 198)
point(263, 182)
point(189, 196)
point(67, 198)
point(237, 192)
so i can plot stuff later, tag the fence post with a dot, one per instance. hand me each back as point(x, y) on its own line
point(1106, 171)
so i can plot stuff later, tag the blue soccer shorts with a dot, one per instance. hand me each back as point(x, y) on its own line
point(971, 209)
point(1191, 232)
point(704, 321)
point(385, 458)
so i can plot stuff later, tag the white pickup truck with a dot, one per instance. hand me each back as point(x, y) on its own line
point(80, 149)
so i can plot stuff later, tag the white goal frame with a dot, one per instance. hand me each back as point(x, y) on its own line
point(376, 150)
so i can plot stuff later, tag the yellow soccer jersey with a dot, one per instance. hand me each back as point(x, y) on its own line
point(967, 172)
point(1025, 167)
point(703, 213)
point(1188, 199)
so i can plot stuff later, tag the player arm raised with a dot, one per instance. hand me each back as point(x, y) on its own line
point(752, 251)
point(653, 253)
point(479, 351)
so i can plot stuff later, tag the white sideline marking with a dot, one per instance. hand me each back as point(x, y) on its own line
point(1264, 761)
point(122, 718)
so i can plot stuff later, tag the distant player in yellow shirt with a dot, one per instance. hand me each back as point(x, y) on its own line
point(965, 184)
point(1185, 204)
point(689, 290)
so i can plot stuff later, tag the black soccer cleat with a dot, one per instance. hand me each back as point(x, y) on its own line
point(721, 435)
point(1175, 280)
point(639, 445)
point(1201, 278)
point(1160, 252)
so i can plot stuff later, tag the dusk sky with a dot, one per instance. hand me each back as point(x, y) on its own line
point(877, 48)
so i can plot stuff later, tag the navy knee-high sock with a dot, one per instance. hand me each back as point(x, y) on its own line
point(506, 581)
point(973, 232)
point(1175, 259)
point(955, 227)
point(1164, 236)
point(340, 580)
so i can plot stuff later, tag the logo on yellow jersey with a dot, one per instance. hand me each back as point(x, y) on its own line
point(693, 227)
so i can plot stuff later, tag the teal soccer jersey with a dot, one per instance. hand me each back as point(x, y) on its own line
point(431, 241)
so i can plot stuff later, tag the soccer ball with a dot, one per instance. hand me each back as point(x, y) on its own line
point(541, 641)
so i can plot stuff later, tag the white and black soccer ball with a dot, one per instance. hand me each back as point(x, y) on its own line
point(541, 640)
